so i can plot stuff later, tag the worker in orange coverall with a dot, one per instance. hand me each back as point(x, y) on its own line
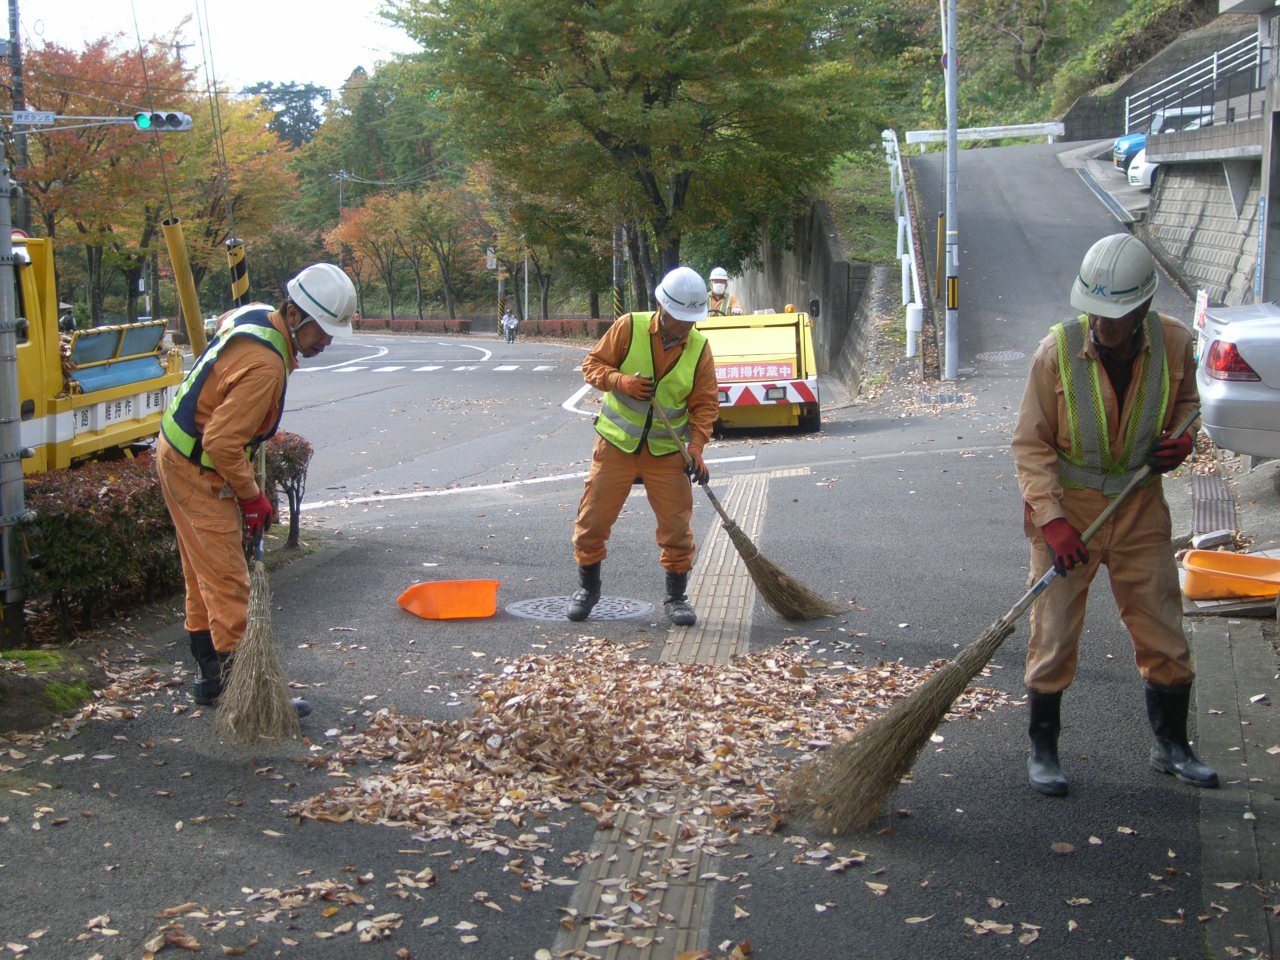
point(1103, 394)
point(229, 403)
point(642, 360)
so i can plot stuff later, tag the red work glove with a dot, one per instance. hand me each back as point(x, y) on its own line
point(1065, 543)
point(640, 388)
point(257, 515)
point(1167, 452)
point(697, 470)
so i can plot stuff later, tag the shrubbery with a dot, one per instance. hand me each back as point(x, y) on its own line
point(102, 540)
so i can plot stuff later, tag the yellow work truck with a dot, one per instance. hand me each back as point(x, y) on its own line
point(766, 370)
point(95, 394)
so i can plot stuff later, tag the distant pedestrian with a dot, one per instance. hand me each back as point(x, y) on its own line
point(645, 359)
point(509, 323)
point(1101, 396)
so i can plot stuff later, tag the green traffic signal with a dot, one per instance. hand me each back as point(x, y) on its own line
point(167, 122)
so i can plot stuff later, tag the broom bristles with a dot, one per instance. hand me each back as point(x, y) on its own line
point(255, 703)
point(788, 596)
point(844, 789)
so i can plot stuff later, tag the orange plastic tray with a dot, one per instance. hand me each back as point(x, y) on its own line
point(1212, 575)
point(451, 599)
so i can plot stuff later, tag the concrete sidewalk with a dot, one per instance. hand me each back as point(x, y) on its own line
point(1238, 728)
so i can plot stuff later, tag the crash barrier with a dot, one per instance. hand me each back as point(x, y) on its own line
point(911, 286)
point(1228, 84)
point(1051, 130)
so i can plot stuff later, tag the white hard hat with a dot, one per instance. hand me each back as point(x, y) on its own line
point(719, 273)
point(325, 294)
point(683, 294)
point(1116, 276)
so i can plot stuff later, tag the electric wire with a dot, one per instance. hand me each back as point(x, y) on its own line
point(215, 111)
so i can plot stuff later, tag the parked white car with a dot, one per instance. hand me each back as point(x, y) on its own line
point(1239, 379)
point(1142, 173)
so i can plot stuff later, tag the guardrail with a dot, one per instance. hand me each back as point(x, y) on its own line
point(1224, 76)
point(1051, 130)
point(911, 297)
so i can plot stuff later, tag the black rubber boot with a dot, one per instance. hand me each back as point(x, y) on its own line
point(587, 595)
point(208, 685)
point(215, 670)
point(1043, 770)
point(1167, 709)
point(679, 611)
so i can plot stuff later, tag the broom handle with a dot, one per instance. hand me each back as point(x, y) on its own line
point(688, 460)
point(1051, 574)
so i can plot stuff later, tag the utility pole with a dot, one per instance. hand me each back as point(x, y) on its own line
point(23, 217)
point(951, 336)
point(12, 505)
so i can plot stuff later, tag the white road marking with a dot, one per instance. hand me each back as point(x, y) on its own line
point(386, 369)
point(426, 369)
point(450, 491)
point(506, 366)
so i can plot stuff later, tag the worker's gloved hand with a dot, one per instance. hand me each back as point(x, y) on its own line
point(736, 311)
point(1167, 452)
point(257, 515)
point(640, 388)
point(1065, 544)
point(697, 470)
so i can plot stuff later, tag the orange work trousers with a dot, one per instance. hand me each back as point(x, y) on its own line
point(206, 517)
point(609, 482)
point(1134, 546)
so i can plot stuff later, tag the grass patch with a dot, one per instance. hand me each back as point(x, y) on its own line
point(67, 696)
point(862, 205)
point(35, 661)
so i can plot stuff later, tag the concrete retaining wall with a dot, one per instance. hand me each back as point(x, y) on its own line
point(815, 267)
point(1193, 219)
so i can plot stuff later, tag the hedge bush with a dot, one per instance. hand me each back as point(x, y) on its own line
point(102, 541)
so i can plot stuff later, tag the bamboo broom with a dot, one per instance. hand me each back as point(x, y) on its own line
point(255, 703)
point(788, 596)
point(845, 788)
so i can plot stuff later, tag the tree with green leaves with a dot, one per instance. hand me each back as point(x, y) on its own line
point(297, 116)
point(672, 114)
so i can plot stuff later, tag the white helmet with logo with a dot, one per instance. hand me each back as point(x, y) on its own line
point(719, 273)
point(683, 294)
point(1116, 276)
point(325, 294)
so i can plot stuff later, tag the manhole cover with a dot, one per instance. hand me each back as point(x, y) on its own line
point(1002, 355)
point(941, 398)
point(553, 608)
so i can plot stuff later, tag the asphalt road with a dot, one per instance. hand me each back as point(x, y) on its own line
point(905, 507)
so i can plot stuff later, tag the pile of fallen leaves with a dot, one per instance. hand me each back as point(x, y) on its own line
point(599, 724)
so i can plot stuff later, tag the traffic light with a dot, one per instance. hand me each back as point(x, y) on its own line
point(167, 122)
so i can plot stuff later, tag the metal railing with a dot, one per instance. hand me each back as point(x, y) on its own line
point(911, 286)
point(1051, 130)
point(1229, 81)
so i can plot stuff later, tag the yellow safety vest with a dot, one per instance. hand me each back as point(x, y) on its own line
point(627, 422)
point(1089, 462)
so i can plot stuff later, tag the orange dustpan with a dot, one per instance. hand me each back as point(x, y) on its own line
point(1213, 575)
point(451, 599)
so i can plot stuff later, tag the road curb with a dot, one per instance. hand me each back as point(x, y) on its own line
point(1236, 696)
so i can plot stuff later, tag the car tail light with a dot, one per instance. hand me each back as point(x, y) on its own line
point(1223, 362)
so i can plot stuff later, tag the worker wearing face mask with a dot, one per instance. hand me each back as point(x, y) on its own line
point(720, 303)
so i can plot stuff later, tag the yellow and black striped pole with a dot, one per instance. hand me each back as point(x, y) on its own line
point(239, 272)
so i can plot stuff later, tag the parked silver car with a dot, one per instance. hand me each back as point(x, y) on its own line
point(1239, 378)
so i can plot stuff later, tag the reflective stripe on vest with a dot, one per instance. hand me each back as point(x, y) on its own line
point(179, 421)
point(1090, 463)
point(625, 421)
